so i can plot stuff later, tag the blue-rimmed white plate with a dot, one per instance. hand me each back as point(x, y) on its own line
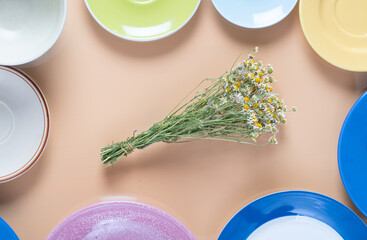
point(295, 215)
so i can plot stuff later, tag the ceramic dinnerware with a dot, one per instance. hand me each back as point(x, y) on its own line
point(24, 123)
point(29, 28)
point(142, 20)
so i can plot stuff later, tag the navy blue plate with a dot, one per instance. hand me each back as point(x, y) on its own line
point(6, 232)
point(295, 203)
point(352, 154)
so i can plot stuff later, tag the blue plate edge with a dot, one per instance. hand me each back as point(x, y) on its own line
point(364, 212)
point(302, 192)
point(8, 229)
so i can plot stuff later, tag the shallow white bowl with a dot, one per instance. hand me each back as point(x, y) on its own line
point(29, 28)
point(24, 123)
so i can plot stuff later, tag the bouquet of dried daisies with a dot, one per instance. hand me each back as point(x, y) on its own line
point(238, 107)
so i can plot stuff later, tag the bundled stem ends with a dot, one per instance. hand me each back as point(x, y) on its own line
point(238, 107)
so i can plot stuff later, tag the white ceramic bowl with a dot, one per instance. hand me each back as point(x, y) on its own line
point(29, 28)
point(24, 123)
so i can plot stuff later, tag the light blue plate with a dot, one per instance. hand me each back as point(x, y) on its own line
point(254, 13)
point(6, 232)
point(295, 203)
point(352, 154)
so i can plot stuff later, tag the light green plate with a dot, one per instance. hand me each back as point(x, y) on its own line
point(142, 20)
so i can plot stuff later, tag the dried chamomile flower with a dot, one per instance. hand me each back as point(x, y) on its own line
point(239, 107)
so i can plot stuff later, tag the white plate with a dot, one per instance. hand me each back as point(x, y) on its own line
point(24, 123)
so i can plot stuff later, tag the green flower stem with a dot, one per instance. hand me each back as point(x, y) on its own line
point(236, 107)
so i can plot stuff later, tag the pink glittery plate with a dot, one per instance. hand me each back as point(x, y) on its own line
point(120, 221)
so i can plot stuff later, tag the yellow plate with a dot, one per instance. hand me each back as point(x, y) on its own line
point(337, 31)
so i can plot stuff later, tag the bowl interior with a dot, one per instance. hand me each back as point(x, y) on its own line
point(28, 28)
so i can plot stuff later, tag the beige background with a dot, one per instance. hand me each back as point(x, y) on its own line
point(100, 88)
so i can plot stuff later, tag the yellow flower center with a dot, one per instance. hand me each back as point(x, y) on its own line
point(257, 80)
point(256, 105)
point(246, 107)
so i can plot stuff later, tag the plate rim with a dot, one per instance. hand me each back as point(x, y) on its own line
point(251, 27)
point(141, 39)
point(351, 196)
point(314, 48)
point(301, 192)
point(46, 129)
point(119, 202)
point(5, 226)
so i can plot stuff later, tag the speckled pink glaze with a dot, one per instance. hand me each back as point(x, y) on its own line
point(120, 221)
